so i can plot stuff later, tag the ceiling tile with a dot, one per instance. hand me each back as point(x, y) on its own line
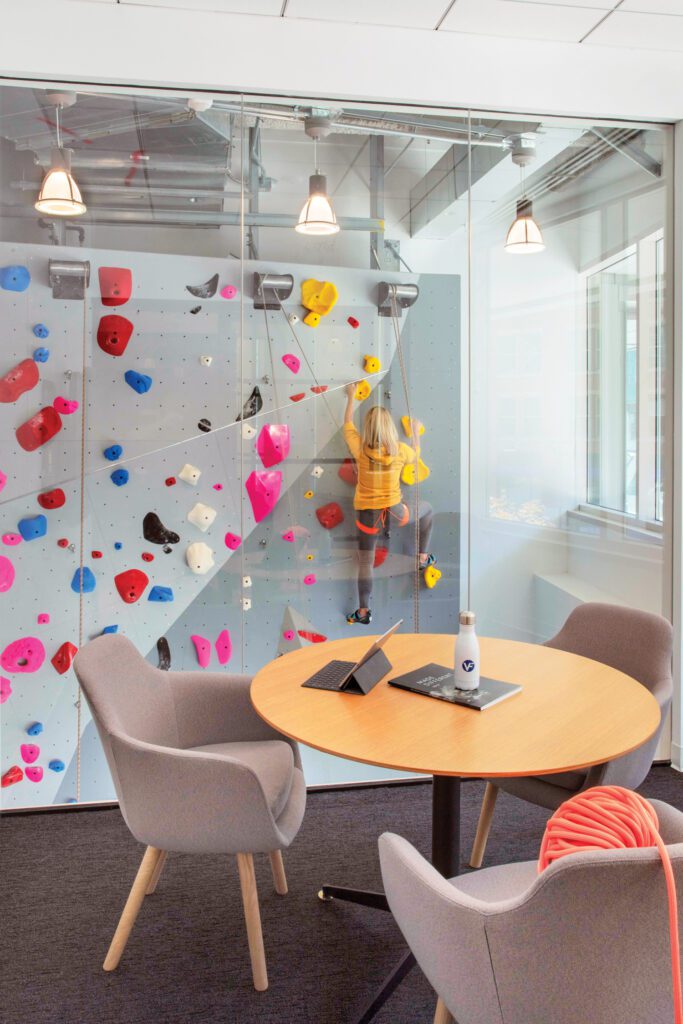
point(639, 32)
point(405, 13)
point(224, 6)
point(519, 19)
point(598, 5)
point(653, 6)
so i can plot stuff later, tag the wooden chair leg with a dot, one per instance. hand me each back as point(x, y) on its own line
point(484, 826)
point(132, 908)
point(443, 1014)
point(252, 917)
point(156, 874)
point(278, 868)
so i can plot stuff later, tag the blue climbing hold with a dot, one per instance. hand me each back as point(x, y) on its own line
point(35, 729)
point(32, 527)
point(113, 452)
point(120, 477)
point(41, 355)
point(56, 765)
point(110, 629)
point(41, 331)
point(118, 545)
point(139, 382)
point(15, 279)
point(160, 594)
point(88, 581)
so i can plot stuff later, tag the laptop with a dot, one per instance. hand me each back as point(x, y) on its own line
point(341, 675)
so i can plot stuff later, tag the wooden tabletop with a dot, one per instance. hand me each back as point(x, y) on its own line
point(572, 712)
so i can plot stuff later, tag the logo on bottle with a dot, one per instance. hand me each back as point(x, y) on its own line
point(468, 665)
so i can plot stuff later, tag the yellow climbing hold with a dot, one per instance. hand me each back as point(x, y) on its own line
point(432, 576)
point(318, 296)
point(308, 494)
point(312, 319)
point(407, 430)
point(372, 364)
point(309, 558)
point(410, 472)
point(362, 391)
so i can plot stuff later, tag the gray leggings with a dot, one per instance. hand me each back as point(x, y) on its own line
point(382, 520)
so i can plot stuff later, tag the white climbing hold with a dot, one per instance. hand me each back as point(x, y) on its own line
point(201, 516)
point(199, 557)
point(317, 472)
point(246, 581)
point(190, 474)
point(246, 604)
point(206, 360)
point(293, 319)
point(248, 432)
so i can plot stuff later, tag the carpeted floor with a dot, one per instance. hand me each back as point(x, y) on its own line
point(65, 877)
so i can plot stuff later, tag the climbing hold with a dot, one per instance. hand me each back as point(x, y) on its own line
point(170, 481)
point(116, 285)
point(155, 532)
point(273, 443)
point(21, 378)
point(110, 629)
point(12, 776)
point(40, 331)
point(298, 397)
point(348, 472)
point(15, 279)
point(11, 539)
point(246, 581)
point(380, 556)
point(190, 474)
point(248, 431)
point(204, 425)
point(317, 472)
point(308, 494)
point(204, 291)
point(95, 554)
point(140, 382)
point(35, 729)
point(147, 557)
point(330, 515)
point(310, 558)
point(410, 472)
point(113, 452)
point(32, 527)
point(229, 292)
point(34, 773)
point(163, 654)
point(56, 765)
point(5, 689)
point(218, 487)
point(407, 429)
point(167, 550)
point(223, 647)
point(263, 490)
point(362, 391)
point(354, 323)
point(310, 579)
point(312, 319)
point(6, 574)
point(319, 389)
point(113, 334)
point(313, 638)
point(30, 752)
point(371, 364)
point(118, 545)
point(289, 634)
point(246, 604)
point(195, 310)
point(203, 649)
point(292, 362)
point(162, 594)
point(64, 657)
point(65, 406)
point(40, 429)
point(201, 516)
point(83, 581)
point(432, 575)
point(52, 499)
point(26, 654)
point(206, 360)
point(131, 584)
point(3, 479)
point(289, 536)
point(293, 319)
point(252, 406)
point(41, 355)
point(199, 557)
point(119, 477)
point(43, 619)
point(63, 542)
point(318, 296)
point(232, 541)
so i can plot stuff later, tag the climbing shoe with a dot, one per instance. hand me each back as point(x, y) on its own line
point(430, 561)
point(358, 619)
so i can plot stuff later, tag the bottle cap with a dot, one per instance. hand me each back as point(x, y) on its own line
point(467, 618)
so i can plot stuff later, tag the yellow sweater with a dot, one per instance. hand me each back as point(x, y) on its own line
point(379, 474)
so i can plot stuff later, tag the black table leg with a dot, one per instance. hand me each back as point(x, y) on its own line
point(391, 982)
point(364, 897)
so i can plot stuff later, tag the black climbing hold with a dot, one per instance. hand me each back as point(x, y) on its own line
point(195, 310)
point(204, 425)
point(155, 532)
point(206, 290)
point(252, 405)
point(164, 652)
point(167, 550)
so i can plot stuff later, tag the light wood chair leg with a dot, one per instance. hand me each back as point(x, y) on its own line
point(278, 868)
point(156, 874)
point(252, 917)
point(443, 1014)
point(484, 826)
point(132, 908)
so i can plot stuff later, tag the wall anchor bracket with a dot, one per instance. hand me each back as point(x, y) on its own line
point(395, 297)
point(271, 290)
point(68, 278)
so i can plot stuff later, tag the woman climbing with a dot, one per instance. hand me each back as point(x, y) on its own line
point(380, 458)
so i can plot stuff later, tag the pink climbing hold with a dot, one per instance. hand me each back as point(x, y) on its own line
point(65, 406)
point(224, 647)
point(273, 443)
point(289, 536)
point(34, 773)
point(11, 539)
point(5, 689)
point(289, 634)
point(229, 292)
point(3, 479)
point(232, 541)
point(29, 752)
point(292, 362)
point(43, 619)
point(203, 649)
point(26, 654)
point(310, 579)
point(6, 574)
point(218, 487)
point(263, 490)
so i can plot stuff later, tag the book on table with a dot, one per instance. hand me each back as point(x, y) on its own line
point(437, 681)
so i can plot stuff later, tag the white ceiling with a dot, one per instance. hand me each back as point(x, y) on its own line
point(627, 24)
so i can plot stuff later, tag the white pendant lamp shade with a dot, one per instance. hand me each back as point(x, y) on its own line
point(59, 194)
point(317, 216)
point(524, 236)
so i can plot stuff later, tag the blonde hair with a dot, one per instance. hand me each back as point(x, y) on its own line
point(379, 431)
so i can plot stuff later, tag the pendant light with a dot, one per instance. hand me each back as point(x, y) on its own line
point(524, 236)
point(317, 216)
point(59, 194)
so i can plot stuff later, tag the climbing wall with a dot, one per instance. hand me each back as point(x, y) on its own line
point(148, 512)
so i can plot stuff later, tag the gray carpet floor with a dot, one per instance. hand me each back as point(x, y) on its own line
point(65, 877)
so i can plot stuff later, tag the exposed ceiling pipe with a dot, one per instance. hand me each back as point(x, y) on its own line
point(44, 139)
point(208, 218)
point(133, 191)
point(157, 162)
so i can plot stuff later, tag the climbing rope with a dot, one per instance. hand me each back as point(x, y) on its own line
point(81, 541)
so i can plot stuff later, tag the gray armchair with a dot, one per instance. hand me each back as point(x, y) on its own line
point(637, 643)
point(585, 941)
point(196, 771)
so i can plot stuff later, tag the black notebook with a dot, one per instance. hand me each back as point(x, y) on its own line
point(431, 679)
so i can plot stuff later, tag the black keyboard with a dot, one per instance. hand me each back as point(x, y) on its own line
point(330, 676)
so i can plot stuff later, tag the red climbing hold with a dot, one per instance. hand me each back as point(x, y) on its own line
point(63, 658)
point(113, 334)
point(52, 499)
point(380, 556)
point(12, 776)
point(354, 323)
point(63, 542)
point(297, 398)
point(116, 285)
point(95, 554)
point(313, 638)
point(330, 515)
point(348, 472)
point(19, 379)
point(147, 557)
point(39, 429)
point(170, 481)
point(131, 585)
point(320, 389)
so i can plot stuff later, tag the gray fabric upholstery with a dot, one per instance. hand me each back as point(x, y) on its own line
point(196, 770)
point(637, 643)
point(585, 942)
